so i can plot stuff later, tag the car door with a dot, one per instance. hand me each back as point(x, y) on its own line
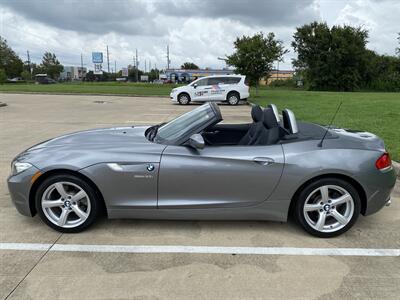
point(218, 176)
point(201, 90)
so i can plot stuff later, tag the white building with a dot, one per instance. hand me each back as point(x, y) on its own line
point(73, 73)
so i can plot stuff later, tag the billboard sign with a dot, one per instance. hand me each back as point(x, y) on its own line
point(98, 69)
point(97, 57)
point(125, 72)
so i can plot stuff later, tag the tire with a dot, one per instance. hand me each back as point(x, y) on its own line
point(67, 203)
point(319, 211)
point(233, 98)
point(184, 99)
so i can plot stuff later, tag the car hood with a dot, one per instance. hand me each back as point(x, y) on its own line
point(103, 136)
point(81, 149)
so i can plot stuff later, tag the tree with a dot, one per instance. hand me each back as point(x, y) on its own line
point(331, 58)
point(26, 75)
point(398, 48)
point(9, 60)
point(189, 66)
point(50, 65)
point(3, 76)
point(254, 56)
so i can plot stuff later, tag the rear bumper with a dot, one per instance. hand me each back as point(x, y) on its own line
point(379, 197)
point(19, 187)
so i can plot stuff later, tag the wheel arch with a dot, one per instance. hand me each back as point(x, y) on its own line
point(352, 181)
point(232, 91)
point(54, 172)
point(184, 92)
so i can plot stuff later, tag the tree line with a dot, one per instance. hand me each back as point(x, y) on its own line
point(11, 65)
point(333, 59)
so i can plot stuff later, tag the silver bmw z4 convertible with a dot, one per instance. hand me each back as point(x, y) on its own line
point(196, 168)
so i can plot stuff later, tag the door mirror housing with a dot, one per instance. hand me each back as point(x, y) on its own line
point(195, 85)
point(196, 141)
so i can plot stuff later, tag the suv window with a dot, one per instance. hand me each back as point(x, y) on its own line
point(215, 80)
point(232, 80)
point(203, 82)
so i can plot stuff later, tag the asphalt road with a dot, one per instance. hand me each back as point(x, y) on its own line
point(41, 274)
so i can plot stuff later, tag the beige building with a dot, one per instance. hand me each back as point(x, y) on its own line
point(277, 75)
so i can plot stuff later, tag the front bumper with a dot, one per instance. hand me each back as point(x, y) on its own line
point(173, 97)
point(19, 187)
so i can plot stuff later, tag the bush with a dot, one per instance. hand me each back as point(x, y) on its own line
point(26, 75)
point(286, 83)
point(3, 76)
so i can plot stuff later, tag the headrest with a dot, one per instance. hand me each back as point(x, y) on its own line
point(256, 113)
point(289, 121)
point(269, 119)
point(275, 109)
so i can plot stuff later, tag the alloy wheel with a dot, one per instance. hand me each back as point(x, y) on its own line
point(66, 204)
point(183, 99)
point(233, 99)
point(328, 208)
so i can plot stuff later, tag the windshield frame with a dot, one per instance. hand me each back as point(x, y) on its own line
point(216, 118)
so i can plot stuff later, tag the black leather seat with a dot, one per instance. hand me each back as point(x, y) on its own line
point(257, 116)
point(269, 134)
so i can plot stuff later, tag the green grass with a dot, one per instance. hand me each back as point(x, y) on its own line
point(122, 88)
point(378, 113)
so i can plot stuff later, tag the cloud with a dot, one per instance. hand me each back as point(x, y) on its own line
point(255, 12)
point(90, 16)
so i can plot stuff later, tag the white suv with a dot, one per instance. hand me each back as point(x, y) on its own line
point(229, 88)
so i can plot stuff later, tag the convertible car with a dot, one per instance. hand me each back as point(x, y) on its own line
point(195, 167)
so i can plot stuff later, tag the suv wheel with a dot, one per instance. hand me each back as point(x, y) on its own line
point(233, 98)
point(184, 99)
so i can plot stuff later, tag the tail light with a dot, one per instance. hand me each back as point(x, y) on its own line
point(383, 162)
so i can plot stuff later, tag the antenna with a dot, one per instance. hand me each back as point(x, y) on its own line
point(330, 124)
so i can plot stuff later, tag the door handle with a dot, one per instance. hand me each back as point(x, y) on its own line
point(265, 161)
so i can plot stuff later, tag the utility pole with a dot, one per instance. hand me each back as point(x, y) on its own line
point(137, 67)
point(115, 66)
point(29, 61)
point(145, 66)
point(149, 65)
point(81, 67)
point(108, 61)
point(168, 61)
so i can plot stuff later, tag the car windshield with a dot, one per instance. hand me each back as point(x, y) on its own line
point(185, 123)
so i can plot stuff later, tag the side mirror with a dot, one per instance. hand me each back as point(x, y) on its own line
point(195, 85)
point(196, 141)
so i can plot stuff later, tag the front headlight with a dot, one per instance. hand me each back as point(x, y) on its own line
point(174, 90)
point(18, 167)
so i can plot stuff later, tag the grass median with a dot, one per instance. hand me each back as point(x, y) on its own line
point(378, 113)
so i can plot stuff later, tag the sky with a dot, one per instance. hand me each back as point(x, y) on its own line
point(197, 31)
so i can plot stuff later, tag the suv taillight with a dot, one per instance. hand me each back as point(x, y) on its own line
point(383, 162)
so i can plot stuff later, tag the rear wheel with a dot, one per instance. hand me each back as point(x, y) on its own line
point(67, 203)
point(328, 207)
point(184, 99)
point(233, 98)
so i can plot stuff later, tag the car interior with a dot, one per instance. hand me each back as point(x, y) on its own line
point(266, 129)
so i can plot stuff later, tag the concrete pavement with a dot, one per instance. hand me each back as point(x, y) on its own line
point(29, 119)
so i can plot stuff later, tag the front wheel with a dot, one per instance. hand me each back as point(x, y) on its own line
point(184, 99)
point(327, 207)
point(233, 98)
point(67, 203)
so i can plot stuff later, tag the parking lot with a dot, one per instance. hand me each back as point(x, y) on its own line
point(43, 274)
